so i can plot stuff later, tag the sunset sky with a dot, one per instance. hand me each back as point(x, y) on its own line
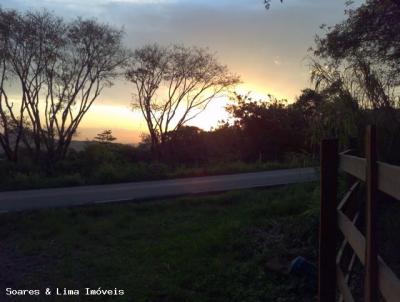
point(267, 48)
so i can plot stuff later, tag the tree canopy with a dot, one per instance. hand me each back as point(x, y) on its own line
point(364, 50)
point(105, 137)
point(60, 68)
point(174, 84)
point(358, 60)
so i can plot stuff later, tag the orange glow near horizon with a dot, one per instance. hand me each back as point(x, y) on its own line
point(128, 125)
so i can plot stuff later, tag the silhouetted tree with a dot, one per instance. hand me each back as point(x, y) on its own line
point(329, 113)
point(61, 67)
point(105, 137)
point(366, 45)
point(185, 145)
point(15, 38)
point(225, 144)
point(175, 84)
point(269, 129)
point(359, 59)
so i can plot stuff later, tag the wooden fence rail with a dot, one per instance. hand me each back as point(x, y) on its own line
point(343, 217)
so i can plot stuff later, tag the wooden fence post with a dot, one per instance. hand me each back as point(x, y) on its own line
point(328, 222)
point(371, 254)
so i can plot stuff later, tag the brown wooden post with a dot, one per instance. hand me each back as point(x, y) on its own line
point(371, 254)
point(328, 221)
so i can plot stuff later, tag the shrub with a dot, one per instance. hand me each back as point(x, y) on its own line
point(67, 180)
point(105, 173)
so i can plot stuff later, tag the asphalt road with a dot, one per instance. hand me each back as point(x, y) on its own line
point(72, 196)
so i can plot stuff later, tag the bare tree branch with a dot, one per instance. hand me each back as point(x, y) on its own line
point(61, 68)
point(187, 78)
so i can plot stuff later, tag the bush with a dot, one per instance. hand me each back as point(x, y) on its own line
point(106, 173)
point(158, 170)
point(138, 171)
point(300, 160)
point(67, 180)
point(26, 181)
point(103, 163)
point(19, 181)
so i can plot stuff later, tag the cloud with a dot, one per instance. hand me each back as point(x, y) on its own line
point(277, 61)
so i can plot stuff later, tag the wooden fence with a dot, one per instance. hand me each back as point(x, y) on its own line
point(343, 216)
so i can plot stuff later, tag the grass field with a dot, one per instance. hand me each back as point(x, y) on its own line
point(204, 248)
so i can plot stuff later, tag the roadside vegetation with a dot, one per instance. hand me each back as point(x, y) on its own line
point(207, 248)
point(106, 164)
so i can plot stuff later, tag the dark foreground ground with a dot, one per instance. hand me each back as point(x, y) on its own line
point(226, 247)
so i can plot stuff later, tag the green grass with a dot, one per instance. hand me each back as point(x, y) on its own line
point(204, 248)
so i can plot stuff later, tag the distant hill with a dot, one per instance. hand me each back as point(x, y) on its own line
point(80, 145)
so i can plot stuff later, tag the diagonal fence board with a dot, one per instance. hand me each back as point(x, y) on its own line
point(349, 195)
point(389, 283)
point(343, 287)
